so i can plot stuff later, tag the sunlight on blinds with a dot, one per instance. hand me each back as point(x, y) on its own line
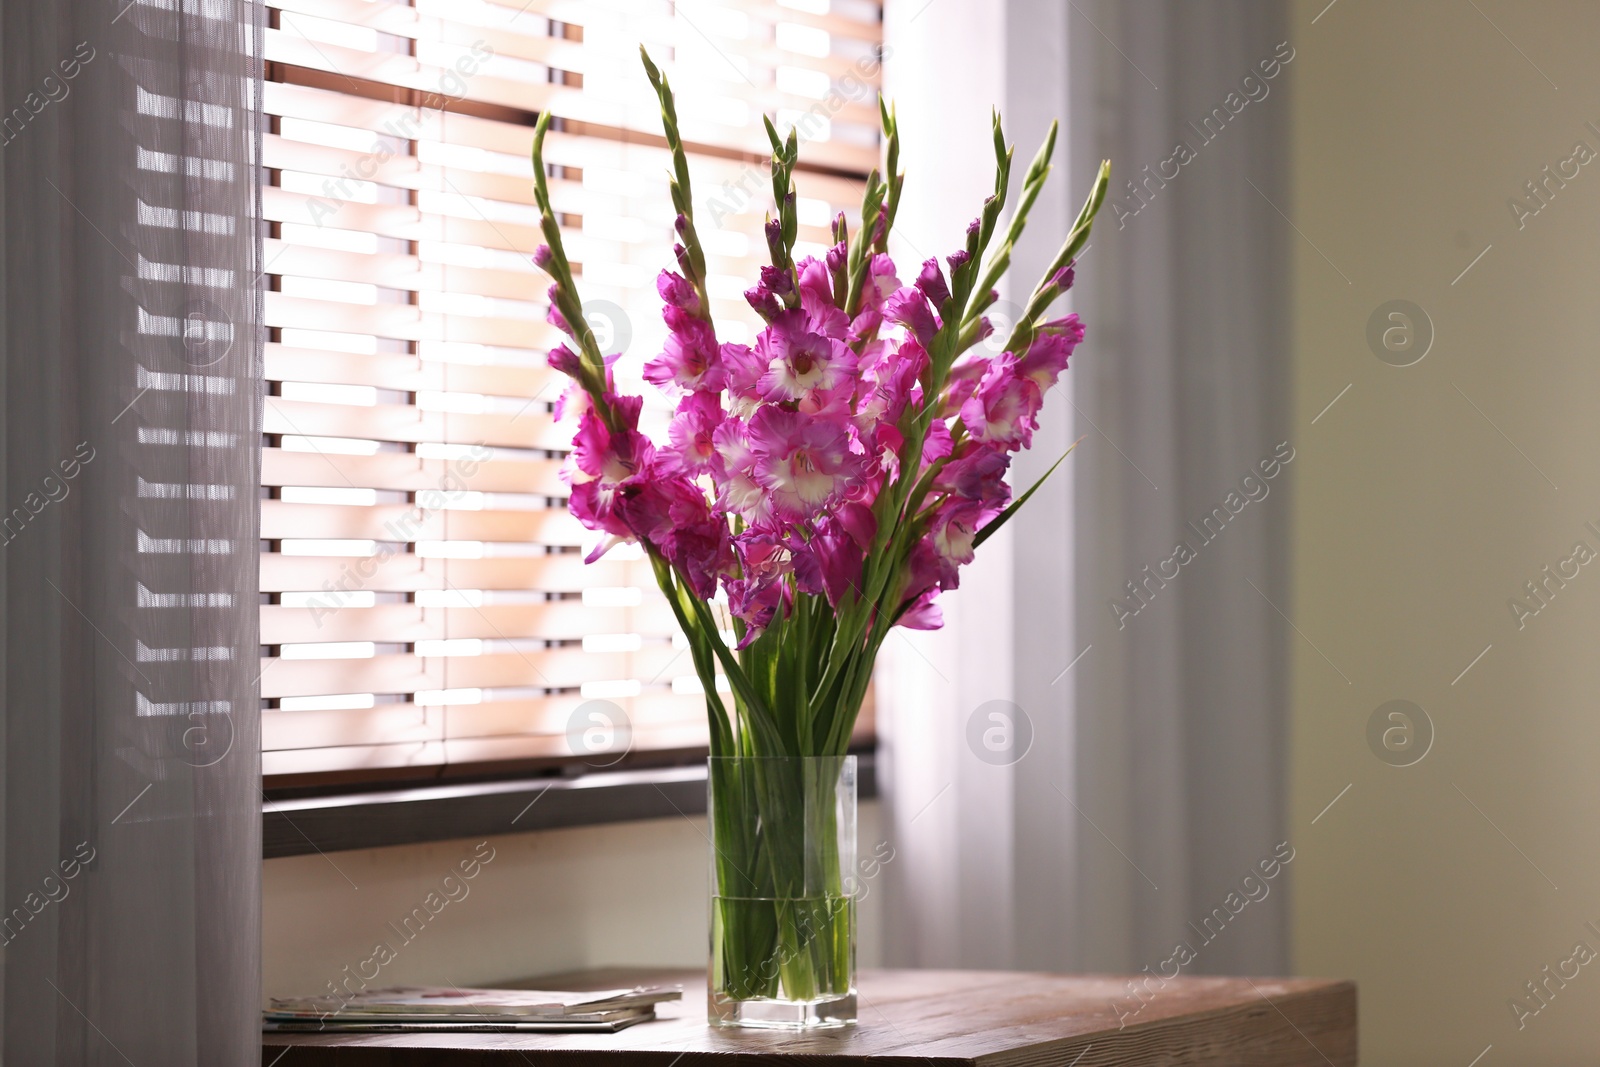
point(425, 606)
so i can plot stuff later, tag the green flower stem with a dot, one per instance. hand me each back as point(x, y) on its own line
point(1032, 183)
point(1046, 291)
point(682, 198)
point(786, 929)
point(895, 177)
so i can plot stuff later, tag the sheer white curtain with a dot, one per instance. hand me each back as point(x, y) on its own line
point(1154, 778)
point(128, 538)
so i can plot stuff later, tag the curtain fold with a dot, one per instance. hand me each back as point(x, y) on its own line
point(1180, 717)
point(1151, 779)
point(128, 537)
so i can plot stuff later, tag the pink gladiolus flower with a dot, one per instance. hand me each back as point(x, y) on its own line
point(614, 464)
point(909, 308)
point(779, 283)
point(880, 285)
point(762, 301)
point(816, 288)
point(816, 300)
point(1047, 356)
point(922, 570)
point(743, 368)
point(738, 490)
point(857, 520)
point(977, 474)
point(574, 402)
point(565, 360)
point(833, 445)
point(676, 291)
point(702, 553)
point(805, 463)
point(888, 381)
point(932, 284)
point(923, 614)
point(1002, 409)
point(553, 316)
point(937, 445)
point(954, 527)
point(763, 592)
point(828, 564)
point(799, 362)
point(613, 458)
point(691, 361)
point(962, 382)
point(693, 450)
point(695, 540)
point(594, 505)
point(837, 257)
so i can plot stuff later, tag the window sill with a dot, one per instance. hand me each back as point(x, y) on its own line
point(293, 827)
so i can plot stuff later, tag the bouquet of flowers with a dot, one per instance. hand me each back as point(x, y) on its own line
point(814, 490)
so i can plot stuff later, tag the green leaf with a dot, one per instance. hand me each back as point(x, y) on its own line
point(1000, 519)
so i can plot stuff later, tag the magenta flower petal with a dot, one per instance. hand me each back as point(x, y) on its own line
point(691, 361)
point(804, 463)
point(799, 361)
point(909, 308)
point(932, 284)
point(1004, 406)
point(1047, 356)
point(923, 614)
point(676, 291)
point(692, 450)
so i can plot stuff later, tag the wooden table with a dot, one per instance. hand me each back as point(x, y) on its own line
point(912, 1018)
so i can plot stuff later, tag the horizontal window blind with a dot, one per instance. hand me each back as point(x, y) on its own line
point(426, 610)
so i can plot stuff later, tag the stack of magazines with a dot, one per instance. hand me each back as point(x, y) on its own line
point(451, 1008)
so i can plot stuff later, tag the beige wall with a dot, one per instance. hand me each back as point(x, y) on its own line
point(1417, 518)
point(628, 893)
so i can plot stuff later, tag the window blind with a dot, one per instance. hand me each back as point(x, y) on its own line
point(426, 610)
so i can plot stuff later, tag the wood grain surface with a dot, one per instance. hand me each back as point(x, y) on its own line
point(989, 1018)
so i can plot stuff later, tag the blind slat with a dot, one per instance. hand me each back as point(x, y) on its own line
point(408, 623)
point(286, 363)
point(395, 422)
point(382, 522)
point(405, 472)
point(428, 608)
point(551, 669)
point(405, 572)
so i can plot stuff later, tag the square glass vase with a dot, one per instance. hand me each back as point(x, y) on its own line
point(783, 915)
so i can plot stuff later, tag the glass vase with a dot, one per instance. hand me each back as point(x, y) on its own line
point(783, 918)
